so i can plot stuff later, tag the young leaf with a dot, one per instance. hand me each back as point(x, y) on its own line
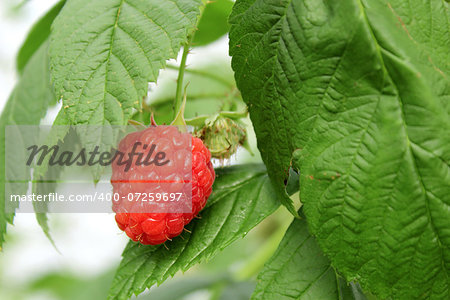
point(299, 270)
point(361, 92)
point(27, 105)
point(104, 53)
point(37, 36)
point(242, 197)
point(214, 22)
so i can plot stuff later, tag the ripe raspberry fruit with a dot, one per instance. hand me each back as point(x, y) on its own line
point(189, 159)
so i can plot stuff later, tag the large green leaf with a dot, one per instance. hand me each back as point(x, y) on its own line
point(104, 53)
point(242, 197)
point(37, 36)
point(299, 270)
point(27, 105)
point(360, 91)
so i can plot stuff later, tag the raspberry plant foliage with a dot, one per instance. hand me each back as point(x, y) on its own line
point(351, 96)
point(104, 53)
point(27, 104)
point(298, 251)
point(355, 94)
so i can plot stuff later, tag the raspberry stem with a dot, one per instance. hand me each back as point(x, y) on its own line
point(202, 73)
point(179, 91)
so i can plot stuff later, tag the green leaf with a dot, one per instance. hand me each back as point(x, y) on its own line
point(39, 184)
point(58, 132)
point(42, 220)
point(247, 43)
point(104, 53)
point(214, 22)
point(37, 36)
point(41, 172)
point(27, 105)
point(360, 91)
point(242, 197)
point(299, 270)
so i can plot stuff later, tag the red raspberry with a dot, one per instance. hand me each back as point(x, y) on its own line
point(158, 227)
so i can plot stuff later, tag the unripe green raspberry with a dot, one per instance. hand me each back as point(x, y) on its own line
point(222, 136)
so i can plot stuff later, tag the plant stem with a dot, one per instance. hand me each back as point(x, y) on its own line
point(204, 74)
point(179, 96)
point(179, 92)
